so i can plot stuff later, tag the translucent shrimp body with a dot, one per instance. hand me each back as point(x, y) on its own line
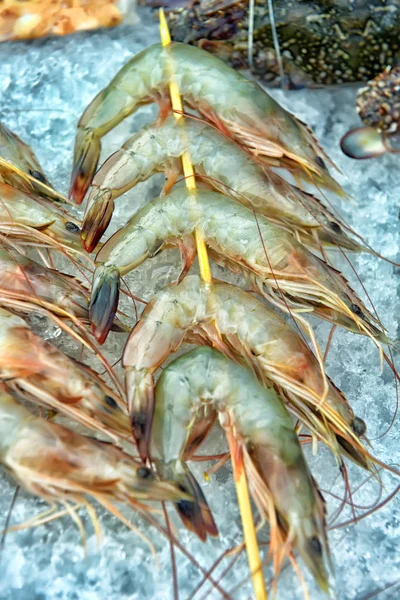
point(22, 217)
point(242, 328)
point(234, 104)
point(24, 278)
point(224, 165)
point(261, 426)
point(281, 267)
point(40, 372)
point(60, 465)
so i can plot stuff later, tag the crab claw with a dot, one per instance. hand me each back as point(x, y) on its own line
point(97, 218)
point(104, 301)
point(363, 142)
point(86, 157)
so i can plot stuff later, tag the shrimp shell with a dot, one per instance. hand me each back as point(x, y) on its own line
point(258, 422)
point(220, 163)
point(280, 266)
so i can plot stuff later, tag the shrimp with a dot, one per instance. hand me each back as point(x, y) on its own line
point(22, 217)
point(61, 466)
point(258, 422)
point(246, 330)
point(224, 165)
point(22, 278)
point(280, 267)
point(37, 370)
point(237, 106)
point(13, 150)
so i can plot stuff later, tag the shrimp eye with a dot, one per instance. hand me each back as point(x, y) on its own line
point(110, 402)
point(71, 227)
point(38, 175)
point(335, 227)
point(320, 162)
point(144, 473)
point(356, 310)
point(358, 426)
point(316, 545)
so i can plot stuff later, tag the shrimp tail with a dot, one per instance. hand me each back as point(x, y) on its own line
point(195, 514)
point(97, 219)
point(104, 301)
point(86, 157)
point(140, 396)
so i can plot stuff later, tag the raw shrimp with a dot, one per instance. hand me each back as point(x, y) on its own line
point(24, 218)
point(281, 268)
point(237, 106)
point(245, 329)
point(223, 165)
point(15, 151)
point(258, 422)
point(61, 466)
point(23, 278)
point(40, 372)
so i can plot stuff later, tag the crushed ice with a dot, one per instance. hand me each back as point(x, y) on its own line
point(44, 87)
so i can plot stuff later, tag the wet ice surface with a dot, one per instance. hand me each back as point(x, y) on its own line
point(44, 87)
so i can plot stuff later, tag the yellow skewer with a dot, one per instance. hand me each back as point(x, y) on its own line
point(186, 164)
point(242, 490)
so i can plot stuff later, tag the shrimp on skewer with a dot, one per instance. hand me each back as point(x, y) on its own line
point(223, 165)
point(61, 466)
point(256, 419)
point(237, 106)
point(24, 218)
point(39, 372)
point(246, 330)
point(280, 267)
point(22, 278)
point(13, 150)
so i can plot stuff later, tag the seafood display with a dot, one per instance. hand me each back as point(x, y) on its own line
point(320, 42)
point(279, 266)
point(86, 422)
point(235, 105)
point(378, 105)
point(221, 164)
point(257, 419)
point(64, 467)
point(245, 329)
point(38, 370)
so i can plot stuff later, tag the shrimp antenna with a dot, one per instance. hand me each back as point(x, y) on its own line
point(250, 38)
point(275, 39)
point(225, 553)
point(7, 521)
point(151, 521)
point(380, 590)
point(370, 511)
point(172, 551)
